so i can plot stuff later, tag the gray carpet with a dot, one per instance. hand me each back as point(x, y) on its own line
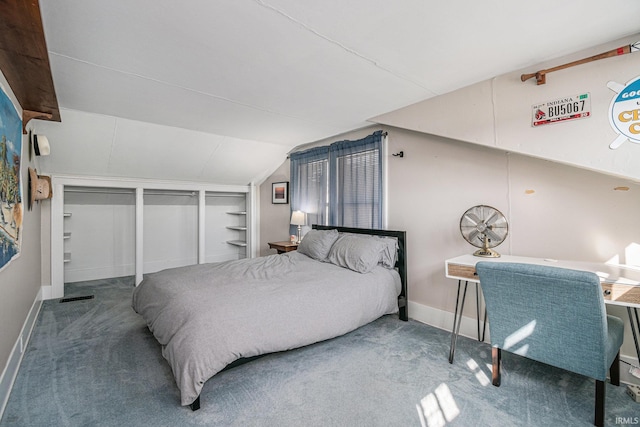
point(94, 363)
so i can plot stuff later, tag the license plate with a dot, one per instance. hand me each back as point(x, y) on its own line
point(561, 110)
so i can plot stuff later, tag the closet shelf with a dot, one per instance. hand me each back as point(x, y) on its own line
point(237, 213)
point(67, 235)
point(240, 243)
point(67, 257)
point(239, 228)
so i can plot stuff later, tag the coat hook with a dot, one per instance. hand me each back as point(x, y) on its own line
point(400, 154)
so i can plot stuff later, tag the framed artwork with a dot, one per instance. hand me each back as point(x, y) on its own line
point(280, 193)
point(10, 183)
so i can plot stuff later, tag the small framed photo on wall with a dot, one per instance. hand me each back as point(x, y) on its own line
point(280, 192)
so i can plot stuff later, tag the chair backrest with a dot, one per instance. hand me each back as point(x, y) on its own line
point(549, 314)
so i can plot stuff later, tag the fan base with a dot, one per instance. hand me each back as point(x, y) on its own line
point(486, 253)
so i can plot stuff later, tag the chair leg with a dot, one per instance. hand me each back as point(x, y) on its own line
point(496, 356)
point(614, 370)
point(599, 418)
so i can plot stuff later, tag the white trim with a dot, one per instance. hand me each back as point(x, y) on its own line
point(252, 207)
point(10, 371)
point(253, 220)
point(444, 320)
point(202, 204)
point(46, 292)
point(147, 184)
point(93, 273)
point(139, 234)
point(625, 375)
point(56, 241)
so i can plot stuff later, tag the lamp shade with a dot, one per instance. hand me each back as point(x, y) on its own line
point(298, 218)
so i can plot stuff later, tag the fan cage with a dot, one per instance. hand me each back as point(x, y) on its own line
point(483, 220)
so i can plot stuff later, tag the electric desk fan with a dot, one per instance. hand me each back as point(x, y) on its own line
point(484, 227)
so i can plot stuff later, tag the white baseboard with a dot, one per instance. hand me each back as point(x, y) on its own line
point(153, 266)
point(625, 375)
point(46, 292)
point(15, 358)
point(444, 320)
point(85, 274)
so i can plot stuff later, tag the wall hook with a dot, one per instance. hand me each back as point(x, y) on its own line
point(399, 154)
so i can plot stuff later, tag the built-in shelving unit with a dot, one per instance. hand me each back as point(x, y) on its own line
point(241, 227)
point(126, 226)
point(67, 236)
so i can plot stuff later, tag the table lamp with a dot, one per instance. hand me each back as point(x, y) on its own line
point(298, 218)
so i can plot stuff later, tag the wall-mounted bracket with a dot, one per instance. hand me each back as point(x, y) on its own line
point(27, 115)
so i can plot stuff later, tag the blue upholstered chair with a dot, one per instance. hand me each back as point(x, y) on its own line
point(555, 316)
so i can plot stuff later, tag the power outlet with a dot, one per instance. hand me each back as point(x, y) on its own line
point(634, 391)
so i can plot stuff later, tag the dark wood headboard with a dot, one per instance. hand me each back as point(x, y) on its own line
point(401, 263)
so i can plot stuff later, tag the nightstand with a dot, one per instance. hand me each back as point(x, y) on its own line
point(283, 247)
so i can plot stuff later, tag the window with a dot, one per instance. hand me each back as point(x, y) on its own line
point(310, 184)
point(340, 184)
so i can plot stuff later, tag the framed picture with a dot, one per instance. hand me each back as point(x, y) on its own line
point(11, 201)
point(280, 192)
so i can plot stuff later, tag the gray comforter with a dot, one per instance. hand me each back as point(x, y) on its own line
point(209, 315)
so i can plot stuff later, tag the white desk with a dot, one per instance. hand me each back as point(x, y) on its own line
point(621, 286)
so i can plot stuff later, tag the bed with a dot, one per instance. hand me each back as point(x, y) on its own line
point(208, 317)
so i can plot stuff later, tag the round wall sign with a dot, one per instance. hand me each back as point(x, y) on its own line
point(624, 112)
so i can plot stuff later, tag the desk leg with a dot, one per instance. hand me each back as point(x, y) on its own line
point(484, 326)
point(635, 327)
point(457, 319)
point(478, 310)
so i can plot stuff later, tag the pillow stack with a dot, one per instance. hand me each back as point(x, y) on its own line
point(357, 252)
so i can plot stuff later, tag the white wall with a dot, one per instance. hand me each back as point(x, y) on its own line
point(498, 113)
point(170, 232)
point(98, 145)
point(102, 240)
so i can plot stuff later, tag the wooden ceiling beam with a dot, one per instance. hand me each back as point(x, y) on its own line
point(24, 59)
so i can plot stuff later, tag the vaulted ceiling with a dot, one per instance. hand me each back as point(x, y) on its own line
point(288, 72)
